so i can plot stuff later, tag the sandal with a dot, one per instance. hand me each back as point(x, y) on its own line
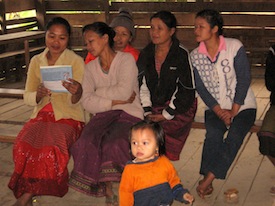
point(272, 190)
point(231, 195)
point(111, 201)
point(205, 193)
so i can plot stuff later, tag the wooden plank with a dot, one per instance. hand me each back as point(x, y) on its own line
point(10, 106)
point(29, 26)
point(254, 129)
point(194, 7)
point(239, 177)
point(188, 169)
point(19, 52)
point(21, 21)
point(79, 19)
point(4, 101)
point(261, 184)
point(16, 6)
point(187, 19)
point(9, 134)
point(14, 93)
point(83, 5)
point(13, 116)
point(252, 39)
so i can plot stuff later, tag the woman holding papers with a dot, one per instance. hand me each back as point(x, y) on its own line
point(41, 149)
point(110, 93)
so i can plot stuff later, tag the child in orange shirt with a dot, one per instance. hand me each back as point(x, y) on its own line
point(150, 179)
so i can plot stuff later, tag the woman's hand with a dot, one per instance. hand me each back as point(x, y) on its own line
point(75, 88)
point(223, 114)
point(132, 98)
point(235, 109)
point(42, 92)
point(155, 117)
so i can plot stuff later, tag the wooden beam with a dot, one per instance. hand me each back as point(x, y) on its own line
point(195, 6)
point(21, 21)
point(199, 124)
point(16, 6)
point(83, 5)
point(11, 93)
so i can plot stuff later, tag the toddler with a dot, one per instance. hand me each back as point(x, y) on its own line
point(150, 179)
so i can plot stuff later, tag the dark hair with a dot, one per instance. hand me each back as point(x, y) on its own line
point(60, 21)
point(167, 17)
point(157, 130)
point(101, 28)
point(213, 18)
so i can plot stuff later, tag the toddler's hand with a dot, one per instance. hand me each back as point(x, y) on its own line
point(188, 197)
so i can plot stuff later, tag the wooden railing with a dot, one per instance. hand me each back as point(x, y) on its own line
point(17, 46)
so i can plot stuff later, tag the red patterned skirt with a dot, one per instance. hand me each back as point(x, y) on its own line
point(41, 155)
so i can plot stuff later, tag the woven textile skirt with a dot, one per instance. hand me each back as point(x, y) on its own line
point(41, 154)
point(266, 134)
point(176, 130)
point(101, 152)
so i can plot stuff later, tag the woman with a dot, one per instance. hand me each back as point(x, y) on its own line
point(266, 134)
point(222, 76)
point(110, 93)
point(124, 27)
point(40, 151)
point(166, 86)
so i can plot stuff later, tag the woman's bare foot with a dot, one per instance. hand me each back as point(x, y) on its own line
point(24, 200)
point(204, 189)
point(111, 198)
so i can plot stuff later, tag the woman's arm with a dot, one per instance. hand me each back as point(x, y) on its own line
point(242, 69)
point(33, 93)
point(184, 93)
point(270, 70)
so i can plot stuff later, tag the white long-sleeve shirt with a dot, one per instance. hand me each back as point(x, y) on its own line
point(99, 88)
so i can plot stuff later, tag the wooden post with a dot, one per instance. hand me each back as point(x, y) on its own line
point(107, 11)
point(27, 53)
point(40, 13)
point(3, 17)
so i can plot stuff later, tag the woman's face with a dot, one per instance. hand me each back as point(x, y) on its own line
point(94, 42)
point(159, 32)
point(122, 38)
point(57, 39)
point(203, 31)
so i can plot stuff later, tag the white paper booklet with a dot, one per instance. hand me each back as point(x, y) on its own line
point(52, 77)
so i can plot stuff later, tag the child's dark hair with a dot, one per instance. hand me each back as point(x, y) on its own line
point(59, 21)
point(213, 18)
point(157, 130)
point(101, 28)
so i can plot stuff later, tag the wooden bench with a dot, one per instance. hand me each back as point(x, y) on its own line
point(22, 38)
point(11, 93)
point(9, 135)
point(198, 123)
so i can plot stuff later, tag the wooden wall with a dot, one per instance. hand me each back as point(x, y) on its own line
point(250, 21)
